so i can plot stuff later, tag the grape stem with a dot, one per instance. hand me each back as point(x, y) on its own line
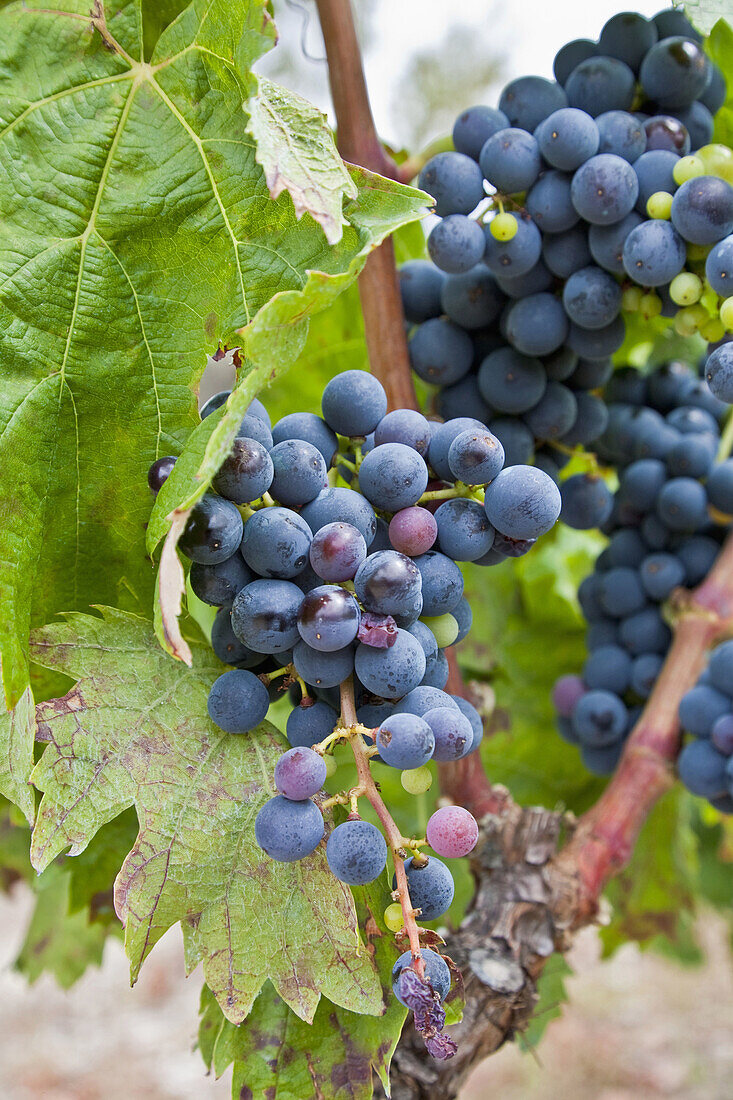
point(393, 834)
point(604, 840)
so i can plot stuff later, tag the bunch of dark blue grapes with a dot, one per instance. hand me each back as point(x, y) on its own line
point(330, 546)
point(594, 208)
point(665, 526)
point(705, 764)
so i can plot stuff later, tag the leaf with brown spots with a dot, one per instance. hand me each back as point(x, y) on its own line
point(134, 731)
point(276, 1055)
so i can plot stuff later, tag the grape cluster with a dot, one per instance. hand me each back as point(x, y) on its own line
point(706, 712)
point(324, 588)
point(665, 525)
point(596, 209)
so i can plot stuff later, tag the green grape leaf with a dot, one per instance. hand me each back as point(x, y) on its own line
point(311, 171)
point(17, 733)
point(275, 1054)
point(58, 942)
point(138, 234)
point(121, 738)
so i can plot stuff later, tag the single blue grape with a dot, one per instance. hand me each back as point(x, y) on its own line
point(682, 504)
point(511, 161)
point(591, 374)
point(596, 343)
point(323, 669)
point(300, 773)
point(536, 280)
point(701, 707)
point(606, 242)
point(674, 72)
point(421, 284)
point(522, 502)
point(391, 673)
point(719, 372)
point(452, 731)
point(620, 592)
point(276, 543)
point(393, 476)
point(644, 673)
point(604, 189)
point(702, 769)
point(213, 531)
point(264, 615)
point(601, 761)
point(238, 701)
point(217, 585)
point(586, 501)
point(608, 668)
point(246, 473)
point(599, 718)
point(511, 382)
point(697, 555)
point(464, 531)
point(469, 711)
point(549, 201)
point(356, 852)
point(622, 134)
point(436, 671)
point(430, 886)
point(353, 403)
point(719, 267)
point(592, 298)
point(627, 36)
point(673, 21)
point(645, 631)
point(309, 725)
point(567, 138)
point(720, 668)
point(537, 325)
point(454, 181)
point(474, 127)
point(456, 244)
point(475, 457)
point(300, 472)
point(255, 427)
point(667, 132)
point(288, 830)
point(405, 741)
point(388, 583)
point(561, 364)
point(328, 618)
point(527, 100)
point(471, 300)
point(702, 210)
point(719, 486)
point(660, 573)
point(440, 352)
point(601, 84)
point(227, 646)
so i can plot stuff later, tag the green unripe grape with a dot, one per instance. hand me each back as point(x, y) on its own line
point(393, 917)
point(331, 765)
point(685, 289)
point(650, 305)
point(726, 314)
point(713, 330)
point(683, 326)
point(687, 168)
point(444, 627)
point(503, 227)
point(718, 161)
point(631, 299)
point(417, 780)
point(659, 205)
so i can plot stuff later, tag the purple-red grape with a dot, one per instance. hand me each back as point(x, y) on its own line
point(337, 551)
point(300, 773)
point(413, 531)
point(452, 832)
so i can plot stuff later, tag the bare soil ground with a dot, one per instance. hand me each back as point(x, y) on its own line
point(637, 1028)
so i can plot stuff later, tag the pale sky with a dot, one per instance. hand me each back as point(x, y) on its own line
point(527, 34)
